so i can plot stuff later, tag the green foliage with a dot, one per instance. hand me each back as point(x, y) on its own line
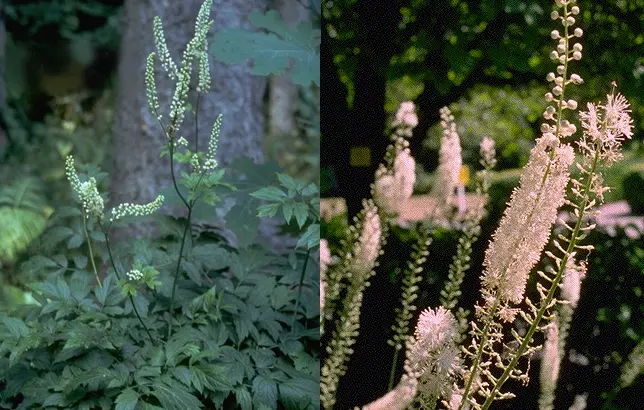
point(23, 216)
point(273, 52)
point(194, 323)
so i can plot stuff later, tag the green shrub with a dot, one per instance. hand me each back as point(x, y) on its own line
point(175, 322)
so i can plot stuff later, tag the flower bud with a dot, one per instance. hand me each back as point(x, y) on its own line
point(579, 32)
point(554, 34)
point(550, 77)
point(570, 20)
point(557, 90)
point(561, 69)
point(559, 80)
point(549, 97)
point(574, 10)
point(554, 15)
point(577, 47)
point(572, 104)
point(576, 79)
point(561, 48)
point(554, 55)
point(576, 55)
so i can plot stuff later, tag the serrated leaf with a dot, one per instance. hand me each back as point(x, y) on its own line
point(287, 210)
point(268, 209)
point(272, 54)
point(182, 373)
point(299, 393)
point(15, 326)
point(80, 261)
point(301, 212)
point(269, 193)
point(55, 235)
point(173, 396)
point(311, 237)
point(244, 399)
point(127, 400)
point(265, 391)
point(243, 222)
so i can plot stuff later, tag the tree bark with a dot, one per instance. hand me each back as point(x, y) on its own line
point(138, 174)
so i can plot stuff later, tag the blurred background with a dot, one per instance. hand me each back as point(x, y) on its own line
point(487, 61)
point(72, 83)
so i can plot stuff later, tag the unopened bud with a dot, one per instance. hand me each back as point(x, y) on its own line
point(574, 10)
point(576, 79)
point(572, 104)
point(550, 77)
point(576, 55)
point(577, 47)
point(557, 90)
point(554, 15)
point(579, 32)
point(554, 34)
point(570, 20)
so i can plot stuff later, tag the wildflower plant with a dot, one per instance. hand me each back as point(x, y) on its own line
point(464, 363)
point(182, 321)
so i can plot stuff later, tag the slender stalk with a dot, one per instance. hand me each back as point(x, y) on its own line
point(551, 292)
point(176, 273)
point(91, 253)
point(118, 276)
point(392, 374)
point(299, 291)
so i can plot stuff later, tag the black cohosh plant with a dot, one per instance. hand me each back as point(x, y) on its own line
point(182, 321)
point(457, 364)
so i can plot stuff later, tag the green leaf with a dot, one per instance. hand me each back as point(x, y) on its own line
point(268, 209)
point(311, 237)
point(272, 52)
point(265, 391)
point(301, 211)
point(127, 400)
point(244, 399)
point(80, 261)
point(183, 374)
point(299, 393)
point(287, 210)
point(270, 193)
point(75, 241)
point(15, 326)
point(173, 396)
point(55, 235)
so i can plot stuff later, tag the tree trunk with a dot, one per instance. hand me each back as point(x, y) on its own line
point(138, 174)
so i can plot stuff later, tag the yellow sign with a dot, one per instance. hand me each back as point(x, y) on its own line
point(360, 157)
point(464, 177)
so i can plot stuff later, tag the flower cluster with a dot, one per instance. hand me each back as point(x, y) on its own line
point(325, 261)
point(563, 55)
point(196, 48)
point(87, 191)
point(368, 246)
point(525, 227)
point(394, 186)
point(162, 48)
point(211, 162)
point(605, 128)
point(488, 153)
point(406, 119)
point(128, 209)
point(150, 86)
point(450, 162)
point(134, 274)
point(432, 355)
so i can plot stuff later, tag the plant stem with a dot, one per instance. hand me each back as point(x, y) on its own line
point(299, 291)
point(392, 374)
point(176, 273)
point(116, 272)
point(91, 253)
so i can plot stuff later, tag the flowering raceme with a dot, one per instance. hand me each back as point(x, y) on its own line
point(525, 227)
point(450, 162)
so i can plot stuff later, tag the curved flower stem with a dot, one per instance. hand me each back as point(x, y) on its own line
point(392, 374)
point(551, 292)
point(116, 272)
point(91, 253)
